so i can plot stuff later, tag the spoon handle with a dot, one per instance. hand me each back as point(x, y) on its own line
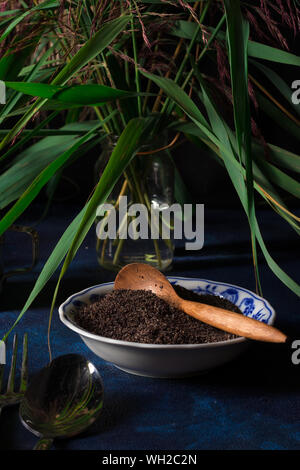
point(43, 444)
point(232, 322)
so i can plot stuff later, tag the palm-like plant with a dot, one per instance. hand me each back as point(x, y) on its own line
point(133, 67)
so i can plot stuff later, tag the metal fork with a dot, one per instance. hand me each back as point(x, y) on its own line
point(10, 396)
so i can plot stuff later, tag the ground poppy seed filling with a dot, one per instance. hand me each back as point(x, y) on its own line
point(140, 316)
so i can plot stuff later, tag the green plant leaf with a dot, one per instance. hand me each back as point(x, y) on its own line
point(9, 12)
point(237, 40)
point(278, 177)
point(284, 158)
point(278, 116)
point(85, 95)
point(237, 35)
point(265, 52)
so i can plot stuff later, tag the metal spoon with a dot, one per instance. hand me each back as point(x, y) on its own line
point(143, 276)
point(62, 400)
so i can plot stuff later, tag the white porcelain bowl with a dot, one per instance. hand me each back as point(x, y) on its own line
point(169, 361)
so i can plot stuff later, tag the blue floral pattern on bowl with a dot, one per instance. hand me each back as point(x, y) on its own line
point(250, 304)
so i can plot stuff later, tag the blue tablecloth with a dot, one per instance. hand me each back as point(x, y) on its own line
point(251, 403)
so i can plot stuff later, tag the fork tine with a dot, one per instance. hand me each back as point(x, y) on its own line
point(1, 375)
point(11, 377)
point(2, 367)
point(24, 367)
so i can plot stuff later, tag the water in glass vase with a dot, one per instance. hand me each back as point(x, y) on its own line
point(118, 254)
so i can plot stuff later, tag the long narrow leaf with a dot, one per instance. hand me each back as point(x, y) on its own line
point(278, 116)
point(237, 42)
point(263, 51)
point(84, 95)
point(284, 158)
point(279, 178)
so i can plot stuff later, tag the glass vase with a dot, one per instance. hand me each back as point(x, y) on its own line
point(148, 183)
point(33, 234)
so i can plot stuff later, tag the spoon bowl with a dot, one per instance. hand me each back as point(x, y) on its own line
point(62, 400)
point(143, 276)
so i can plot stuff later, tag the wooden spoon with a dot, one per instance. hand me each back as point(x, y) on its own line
point(138, 276)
